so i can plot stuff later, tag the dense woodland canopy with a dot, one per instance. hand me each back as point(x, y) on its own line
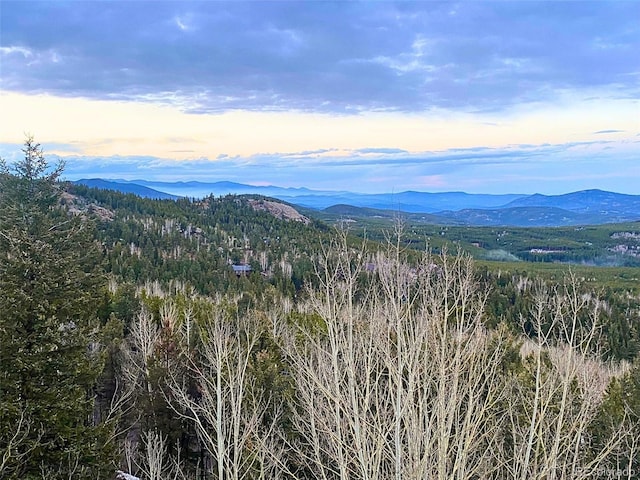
point(128, 343)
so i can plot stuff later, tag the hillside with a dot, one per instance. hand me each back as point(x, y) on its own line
point(527, 217)
point(198, 241)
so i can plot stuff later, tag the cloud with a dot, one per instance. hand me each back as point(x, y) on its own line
point(25, 52)
point(522, 169)
point(381, 150)
point(343, 57)
point(599, 132)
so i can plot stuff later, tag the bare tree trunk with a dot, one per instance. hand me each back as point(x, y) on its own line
point(16, 446)
point(443, 365)
point(226, 406)
point(555, 401)
point(400, 379)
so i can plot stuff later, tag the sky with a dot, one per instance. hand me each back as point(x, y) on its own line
point(373, 96)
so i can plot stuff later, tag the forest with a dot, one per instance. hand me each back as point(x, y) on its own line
point(131, 348)
point(605, 245)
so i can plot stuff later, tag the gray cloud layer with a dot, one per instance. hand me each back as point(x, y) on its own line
point(321, 56)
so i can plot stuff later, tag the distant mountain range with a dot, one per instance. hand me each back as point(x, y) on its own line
point(136, 189)
point(200, 189)
point(459, 208)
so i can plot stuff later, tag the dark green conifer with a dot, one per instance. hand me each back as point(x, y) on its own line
point(49, 291)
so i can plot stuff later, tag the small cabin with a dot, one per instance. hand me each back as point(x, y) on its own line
point(241, 270)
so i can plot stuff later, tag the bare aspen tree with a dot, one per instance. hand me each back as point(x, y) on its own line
point(144, 338)
point(206, 354)
point(13, 442)
point(401, 379)
point(155, 463)
point(556, 399)
point(152, 462)
point(156, 451)
point(144, 350)
point(337, 371)
point(135, 380)
point(225, 407)
point(443, 369)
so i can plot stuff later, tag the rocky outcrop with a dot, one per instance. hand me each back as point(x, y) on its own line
point(79, 206)
point(279, 210)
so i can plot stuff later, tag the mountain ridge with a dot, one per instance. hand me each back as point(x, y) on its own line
point(582, 207)
point(134, 188)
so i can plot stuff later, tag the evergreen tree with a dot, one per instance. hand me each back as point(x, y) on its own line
point(49, 283)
